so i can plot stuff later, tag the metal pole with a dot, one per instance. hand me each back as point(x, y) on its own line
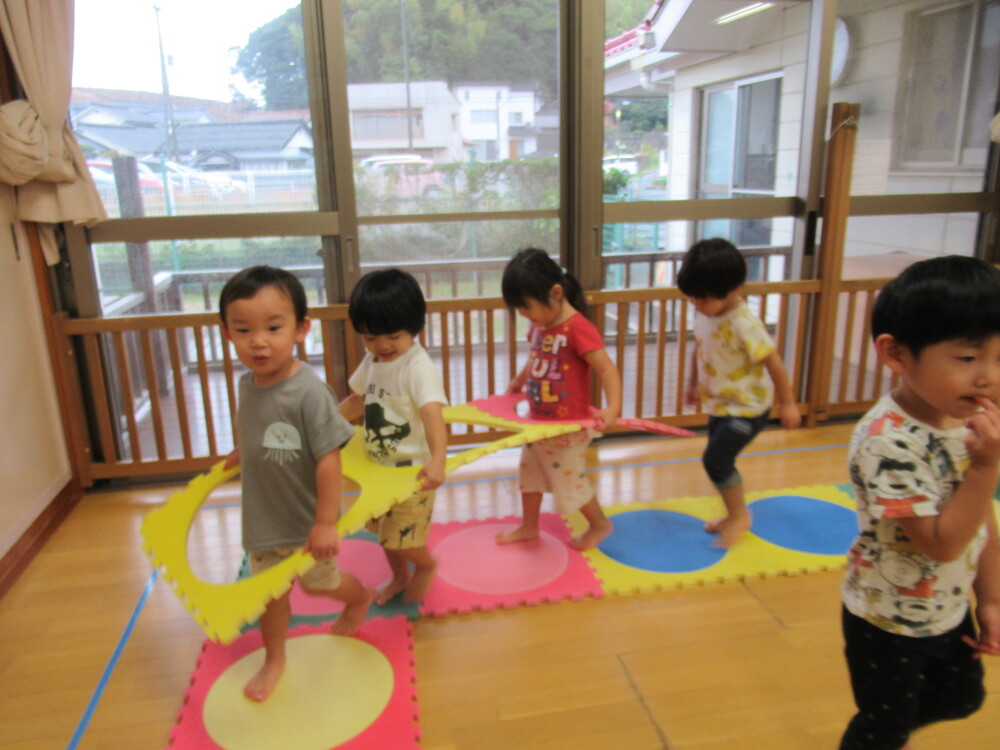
point(168, 107)
point(406, 70)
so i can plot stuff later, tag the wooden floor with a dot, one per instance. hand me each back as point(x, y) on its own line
point(92, 656)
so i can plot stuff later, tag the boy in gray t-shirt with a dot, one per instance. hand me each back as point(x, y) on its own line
point(289, 434)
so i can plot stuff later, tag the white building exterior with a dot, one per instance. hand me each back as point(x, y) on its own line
point(379, 124)
point(488, 113)
point(920, 130)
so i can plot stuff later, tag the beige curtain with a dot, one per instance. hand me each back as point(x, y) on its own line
point(39, 37)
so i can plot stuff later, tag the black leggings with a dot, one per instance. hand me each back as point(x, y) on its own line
point(902, 683)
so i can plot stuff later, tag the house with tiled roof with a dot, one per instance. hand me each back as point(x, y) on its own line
point(249, 146)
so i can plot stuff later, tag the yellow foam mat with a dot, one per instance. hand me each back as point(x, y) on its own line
point(222, 609)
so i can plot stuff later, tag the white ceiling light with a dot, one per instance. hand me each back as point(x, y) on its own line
point(736, 15)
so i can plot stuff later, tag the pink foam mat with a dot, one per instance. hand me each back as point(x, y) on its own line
point(396, 727)
point(477, 574)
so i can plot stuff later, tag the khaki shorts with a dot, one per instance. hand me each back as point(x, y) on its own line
point(323, 576)
point(557, 465)
point(407, 524)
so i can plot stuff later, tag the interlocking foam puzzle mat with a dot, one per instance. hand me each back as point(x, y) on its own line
point(663, 544)
point(339, 692)
point(476, 573)
point(656, 545)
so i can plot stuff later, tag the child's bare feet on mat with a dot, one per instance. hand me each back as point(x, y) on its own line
point(729, 529)
point(421, 582)
point(262, 684)
point(353, 616)
point(389, 591)
point(520, 534)
point(592, 536)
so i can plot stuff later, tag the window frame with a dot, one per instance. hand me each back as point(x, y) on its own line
point(961, 160)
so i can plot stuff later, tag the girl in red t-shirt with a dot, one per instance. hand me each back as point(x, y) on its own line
point(565, 349)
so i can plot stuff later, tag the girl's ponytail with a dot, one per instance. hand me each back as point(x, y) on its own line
point(531, 274)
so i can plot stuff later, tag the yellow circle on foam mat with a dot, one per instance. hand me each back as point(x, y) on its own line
point(333, 688)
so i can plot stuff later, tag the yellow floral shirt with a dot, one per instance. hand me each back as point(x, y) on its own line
point(732, 379)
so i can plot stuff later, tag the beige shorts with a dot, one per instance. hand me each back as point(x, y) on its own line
point(557, 465)
point(407, 524)
point(323, 576)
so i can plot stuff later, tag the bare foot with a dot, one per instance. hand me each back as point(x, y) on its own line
point(421, 582)
point(389, 591)
point(262, 684)
point(729, 530)
point(353, 616)
point(521, 534)
point(592, 536)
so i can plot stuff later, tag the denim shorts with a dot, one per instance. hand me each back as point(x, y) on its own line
point(727, 436)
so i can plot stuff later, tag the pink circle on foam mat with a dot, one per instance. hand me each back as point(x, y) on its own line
point(365, 559)
point(471, 559)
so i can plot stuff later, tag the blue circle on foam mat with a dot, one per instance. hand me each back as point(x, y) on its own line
point(804, 524)
point(660, 541)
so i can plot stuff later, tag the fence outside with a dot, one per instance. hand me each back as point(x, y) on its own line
point(161, 389)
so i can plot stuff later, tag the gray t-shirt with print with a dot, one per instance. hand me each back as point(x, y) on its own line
point(283, 430)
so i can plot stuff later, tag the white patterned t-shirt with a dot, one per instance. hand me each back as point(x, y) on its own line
point(732, 347)
point(904, 468)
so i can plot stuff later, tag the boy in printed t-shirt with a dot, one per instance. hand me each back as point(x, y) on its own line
point(732, 371)
point(924, 462)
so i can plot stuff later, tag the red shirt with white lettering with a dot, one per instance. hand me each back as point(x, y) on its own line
point(558, 384)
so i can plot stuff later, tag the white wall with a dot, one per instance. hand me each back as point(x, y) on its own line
point(34, 466)
point(783, 51)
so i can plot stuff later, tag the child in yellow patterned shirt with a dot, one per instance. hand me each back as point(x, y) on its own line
point(732, 371)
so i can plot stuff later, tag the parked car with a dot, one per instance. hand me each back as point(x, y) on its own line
point(103, 173)
point(187, 180)
point(402, 176)
point(101, 169)
point(627, 163)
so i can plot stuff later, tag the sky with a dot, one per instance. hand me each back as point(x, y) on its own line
point(116, 44)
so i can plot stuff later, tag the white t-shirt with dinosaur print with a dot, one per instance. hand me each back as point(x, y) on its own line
point(394, 393)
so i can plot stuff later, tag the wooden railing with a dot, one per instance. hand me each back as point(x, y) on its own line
point(162, 388)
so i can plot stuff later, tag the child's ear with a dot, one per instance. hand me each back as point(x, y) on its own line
point(556, 293)
point(302, 330)
point(225, 332)
point(890, 352)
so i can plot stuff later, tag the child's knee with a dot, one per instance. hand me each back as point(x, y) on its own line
point(721, 471)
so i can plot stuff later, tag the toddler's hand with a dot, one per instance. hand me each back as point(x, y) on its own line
point(692, 396)
point(233, 459)
point(789, 415)
point(605, 418)
point(983, 440)
point(324, 541)
point(432, 474)
point(988, 617)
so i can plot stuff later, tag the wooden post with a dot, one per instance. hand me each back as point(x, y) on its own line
point(836, 207)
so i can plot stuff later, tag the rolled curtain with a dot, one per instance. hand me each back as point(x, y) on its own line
point(39, 37)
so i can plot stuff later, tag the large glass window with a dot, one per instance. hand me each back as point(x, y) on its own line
point(481, 82)
point(190, 108)
point(926, 76)
point(740, 125)
point(949, 86)
point(700, 110)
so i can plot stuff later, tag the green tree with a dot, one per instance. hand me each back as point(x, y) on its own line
point(645, 115)
point(450, 40)
point(274, 59)
point(622, 15)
